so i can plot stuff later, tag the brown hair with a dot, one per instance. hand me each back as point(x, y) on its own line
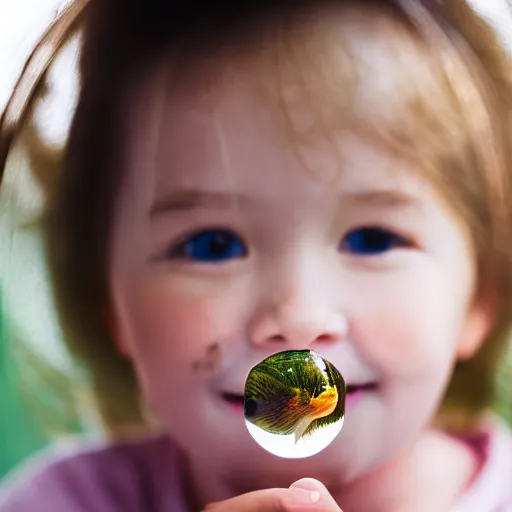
point(124, 39)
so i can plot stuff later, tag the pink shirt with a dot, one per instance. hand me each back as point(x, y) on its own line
point(146, 476)
point(492, 489)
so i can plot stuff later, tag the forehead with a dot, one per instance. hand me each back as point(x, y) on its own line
point(298, 92)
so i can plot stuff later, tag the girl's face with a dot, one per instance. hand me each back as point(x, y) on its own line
point(233, 241)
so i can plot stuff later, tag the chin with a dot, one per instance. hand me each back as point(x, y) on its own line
point(217, 438)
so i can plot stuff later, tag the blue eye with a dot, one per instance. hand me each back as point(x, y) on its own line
point(371, 241)
point(213, 245)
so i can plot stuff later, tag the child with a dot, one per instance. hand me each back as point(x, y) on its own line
point(262, 176)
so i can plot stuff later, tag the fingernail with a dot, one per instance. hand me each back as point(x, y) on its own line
point(315, 496)
point(309, 484)
point(310, 488)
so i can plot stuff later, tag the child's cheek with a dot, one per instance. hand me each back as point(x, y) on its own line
point(408, 326)
point(168, 327)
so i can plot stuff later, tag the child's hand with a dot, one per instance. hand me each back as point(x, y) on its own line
point(306, 495)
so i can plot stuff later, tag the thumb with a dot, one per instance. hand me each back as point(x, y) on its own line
point(305, 495)
point(293, 499)
point(319, 493)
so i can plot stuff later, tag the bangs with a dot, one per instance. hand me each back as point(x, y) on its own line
point(397, 75)
point(378, 75)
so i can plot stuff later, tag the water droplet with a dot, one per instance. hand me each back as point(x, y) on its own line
point(294, 403)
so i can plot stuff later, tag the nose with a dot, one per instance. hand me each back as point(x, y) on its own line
point(297, 323)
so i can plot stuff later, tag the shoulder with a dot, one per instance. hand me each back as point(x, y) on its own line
point(98, 476)
point(492, 489)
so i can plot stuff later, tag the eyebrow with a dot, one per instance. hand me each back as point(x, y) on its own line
point(385, 198)
point(186, 200)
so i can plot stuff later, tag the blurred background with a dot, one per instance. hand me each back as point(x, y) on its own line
point(35, 371)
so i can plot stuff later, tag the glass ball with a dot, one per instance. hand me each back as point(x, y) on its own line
point(294, 403)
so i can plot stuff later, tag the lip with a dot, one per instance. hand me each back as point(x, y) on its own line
point(234, 402)
point(355, 392)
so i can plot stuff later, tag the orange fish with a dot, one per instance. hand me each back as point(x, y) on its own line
point(294, 392)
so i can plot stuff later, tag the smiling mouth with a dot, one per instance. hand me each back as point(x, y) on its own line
point(354, 388)
point(238, 400)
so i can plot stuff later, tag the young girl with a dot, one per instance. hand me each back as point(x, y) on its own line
point(253, 177)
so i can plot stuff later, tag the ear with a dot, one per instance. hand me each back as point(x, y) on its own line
point(112, 326)
point(480, 320)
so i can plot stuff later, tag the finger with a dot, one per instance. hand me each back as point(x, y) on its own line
point(325, 503)
point(270, 500)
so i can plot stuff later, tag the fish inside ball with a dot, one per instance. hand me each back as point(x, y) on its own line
point(294, 392)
